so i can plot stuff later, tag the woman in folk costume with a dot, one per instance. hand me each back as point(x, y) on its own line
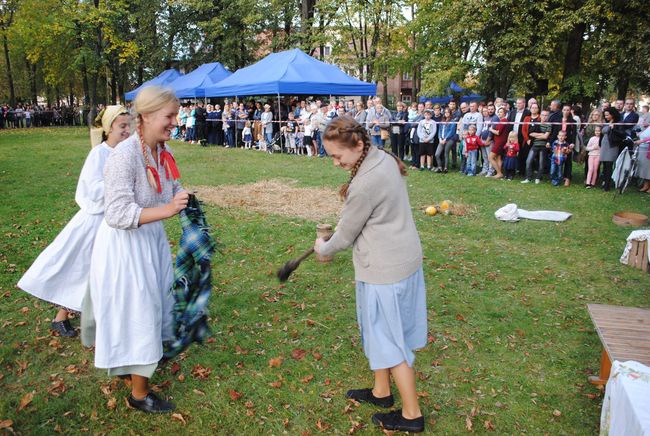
point(60, 273)
point(131, 267)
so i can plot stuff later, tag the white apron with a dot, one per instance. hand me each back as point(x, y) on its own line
point(130, 280)
point(60, 273)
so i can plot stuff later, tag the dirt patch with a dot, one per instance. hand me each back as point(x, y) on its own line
point(278, 197)
point(458, 209)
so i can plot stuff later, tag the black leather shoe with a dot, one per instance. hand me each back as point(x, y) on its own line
point(63, 328)
point(151, 404)
point(395, 421)
point(366, 396)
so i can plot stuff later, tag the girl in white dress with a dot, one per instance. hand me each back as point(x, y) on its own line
point(60, 273)
point(131, 267)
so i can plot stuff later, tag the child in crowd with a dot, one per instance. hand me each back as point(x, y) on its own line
point(247, 135)
point(290, 129)
point(413, 112)
point(189, 124)
point(593, 148)
point(426, 134)
point(307, 141)
point(559, 150)
point(512, 150)
point(390, 291)
point(472, 143)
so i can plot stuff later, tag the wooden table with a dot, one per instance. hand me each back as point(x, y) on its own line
point(625, 334)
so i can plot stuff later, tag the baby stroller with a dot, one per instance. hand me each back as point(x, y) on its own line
point(276, 143)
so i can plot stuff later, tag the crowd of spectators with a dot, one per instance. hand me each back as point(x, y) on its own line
point(23, 116)
point(498, 138)
point(495, 139)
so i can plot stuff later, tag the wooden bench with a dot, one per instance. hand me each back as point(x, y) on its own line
point(625, 334)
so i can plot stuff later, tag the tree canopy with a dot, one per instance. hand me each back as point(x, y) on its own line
point(95, 50)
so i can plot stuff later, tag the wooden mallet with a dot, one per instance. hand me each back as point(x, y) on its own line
point(285, 271)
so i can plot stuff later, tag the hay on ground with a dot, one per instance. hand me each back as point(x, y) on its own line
point(277, 197)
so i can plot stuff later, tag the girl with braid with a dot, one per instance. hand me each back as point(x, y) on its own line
point(131, 264)
point(390, 294)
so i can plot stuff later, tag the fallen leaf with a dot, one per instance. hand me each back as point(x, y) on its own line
point(276, 385)
point(276, 362)
point(111, 404)
point(468, 423)
point(321, 425)
point(7, 423)
point(71, 369)
point(298, 354)
point(57, 387)
point(470, 347)
point(178, 417)
point(488, 425)
point(201, 372)
point(460, 317)
point(21, 323)
point(181, 378)
point(234, 395)
point(422, 394)
point(307, 379)
point(249, 404)
point(175, 368)
point(27, 398)
point(317, 355)
point(557, 413)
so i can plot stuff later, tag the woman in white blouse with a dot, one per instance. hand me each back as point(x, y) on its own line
point(131, 267)
point(60, 273)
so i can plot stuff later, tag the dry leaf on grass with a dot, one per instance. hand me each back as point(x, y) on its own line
point(276, 362)
point(178, 417)
point(27, 398)
point(298, 354)
point(234, 395)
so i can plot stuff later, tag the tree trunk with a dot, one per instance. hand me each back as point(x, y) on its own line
point(71, 96)
point(622, 86)
point(306, 16)
point(572, 59)
point(10, 77)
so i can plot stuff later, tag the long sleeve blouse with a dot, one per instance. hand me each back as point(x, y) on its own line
point(126, 188)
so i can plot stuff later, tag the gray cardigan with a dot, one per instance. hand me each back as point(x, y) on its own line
point(377, 221)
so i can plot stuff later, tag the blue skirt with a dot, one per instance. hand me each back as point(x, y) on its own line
point(392, 320)
point(510, 163)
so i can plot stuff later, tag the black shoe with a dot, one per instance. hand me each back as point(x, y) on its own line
point(63, 328)
point(395, 421)
point(366, 396)
point(151, 404)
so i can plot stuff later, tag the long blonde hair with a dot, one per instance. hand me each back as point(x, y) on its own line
point(152, 98)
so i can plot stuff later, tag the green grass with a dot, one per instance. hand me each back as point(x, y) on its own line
point(511, 340)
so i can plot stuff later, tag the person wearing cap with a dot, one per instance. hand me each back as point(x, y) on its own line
point(60, 273)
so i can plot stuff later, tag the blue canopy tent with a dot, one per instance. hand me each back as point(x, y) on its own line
point(161, 79)
point(290, 72)
point(454, 88)
point(194, 84)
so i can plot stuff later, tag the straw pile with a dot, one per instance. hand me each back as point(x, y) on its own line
point(277, 197)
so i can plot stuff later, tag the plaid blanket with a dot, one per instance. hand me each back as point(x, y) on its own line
point(192, 280)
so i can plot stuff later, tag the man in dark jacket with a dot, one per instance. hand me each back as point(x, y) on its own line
point(629, 117)
point(200, 116)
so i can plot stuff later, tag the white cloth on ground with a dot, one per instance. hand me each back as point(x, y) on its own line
point(637, 235)
point(626, 406)
point(511, 213)
point(59, 274)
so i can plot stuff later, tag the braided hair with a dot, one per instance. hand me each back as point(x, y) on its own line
point(347, 133)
